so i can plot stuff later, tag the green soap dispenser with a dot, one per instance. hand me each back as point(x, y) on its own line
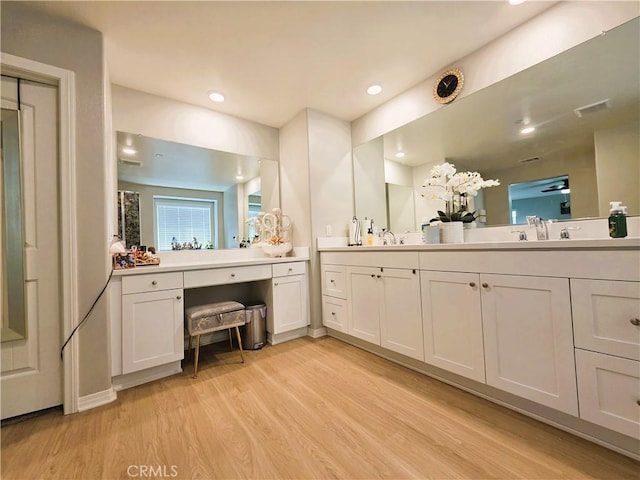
point(617, 220)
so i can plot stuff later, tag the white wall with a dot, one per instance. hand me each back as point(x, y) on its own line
point(369, 178)
point(38, 37)
point(618, 156)
point(555, 30)
point(158, 117)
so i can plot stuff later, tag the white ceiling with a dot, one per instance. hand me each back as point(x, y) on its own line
point(272, 59)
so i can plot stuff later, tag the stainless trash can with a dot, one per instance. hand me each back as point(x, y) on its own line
point(254, 331)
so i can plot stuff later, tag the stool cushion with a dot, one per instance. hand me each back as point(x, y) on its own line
point(214, 316)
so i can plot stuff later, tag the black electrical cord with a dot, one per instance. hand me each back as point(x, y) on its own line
point(84, 319)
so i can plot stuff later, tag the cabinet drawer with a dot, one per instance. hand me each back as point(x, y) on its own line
point(334, 281)
point(334, 313)
point(609, 391)
point(290, 268)
point(606, 316)
point(224, 276)
point(151, 283)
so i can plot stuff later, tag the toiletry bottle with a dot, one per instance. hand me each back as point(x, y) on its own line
point(617, 220)
point(370, 234)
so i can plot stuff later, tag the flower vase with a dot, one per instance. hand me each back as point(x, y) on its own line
point(451, 232)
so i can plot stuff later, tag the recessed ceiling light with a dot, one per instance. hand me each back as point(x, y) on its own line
point(516, 2)
point(239, 177)
point(129, 151)
point(526, 130)
point(374, 89)
point(216, 97)
point(400, 155)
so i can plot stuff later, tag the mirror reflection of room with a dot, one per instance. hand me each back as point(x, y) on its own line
point(579, 129)
point(173, 196)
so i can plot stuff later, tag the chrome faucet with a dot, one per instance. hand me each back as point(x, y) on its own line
point(522, 235)
point(388, 233)
point(542, 231)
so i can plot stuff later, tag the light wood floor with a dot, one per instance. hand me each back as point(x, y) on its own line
point(304, 409)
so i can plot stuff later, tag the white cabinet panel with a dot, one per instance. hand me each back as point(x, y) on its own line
point(334, 281)
point(606, 316)
point(151, 282)
point(609, 391)
point(528, 339)
point(289, 303)
point(152, 329)
point(400, 318)
point(334, 313)
point(452, 316)
point(364, 309)
point(288, 268)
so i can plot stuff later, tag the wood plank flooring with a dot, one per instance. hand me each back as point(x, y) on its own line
point(306, 409)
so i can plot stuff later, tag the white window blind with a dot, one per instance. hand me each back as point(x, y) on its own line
point(184, 220)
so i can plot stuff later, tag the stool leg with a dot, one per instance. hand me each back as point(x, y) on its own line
point(195, 363)
point(230, 340)
point(239, 342)
point(189, 347)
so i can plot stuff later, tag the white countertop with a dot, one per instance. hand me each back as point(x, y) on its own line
point(604, 243)
point(182, 261)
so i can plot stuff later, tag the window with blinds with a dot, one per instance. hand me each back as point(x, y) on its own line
point(184, 221)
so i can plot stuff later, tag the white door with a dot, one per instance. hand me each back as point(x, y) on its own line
point(289, 303)
point(452, 317)
point(364, 290)
point(31, 376)
point(401, 318)
point(528, 339)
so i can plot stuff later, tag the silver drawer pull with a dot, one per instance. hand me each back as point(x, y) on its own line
point(635, 321)
point(291, 269)
point(334, 314)
point(154, 283)
point(485, 285)
point(233, 275)
point(472, 284)
point(332, 281)
point(179, 297)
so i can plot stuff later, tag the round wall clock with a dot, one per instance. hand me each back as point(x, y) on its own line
point(448, 85)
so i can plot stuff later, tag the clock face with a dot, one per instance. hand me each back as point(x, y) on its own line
point(448, 86)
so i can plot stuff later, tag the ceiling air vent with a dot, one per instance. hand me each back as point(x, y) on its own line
point(130, 162)
point(529, 160)
point(593, 108)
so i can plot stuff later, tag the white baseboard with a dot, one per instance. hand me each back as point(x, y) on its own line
point(286, 336)
point(97, 399)
point(134, 379)
point(317, 332)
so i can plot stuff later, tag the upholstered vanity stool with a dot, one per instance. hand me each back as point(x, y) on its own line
point(213, 317)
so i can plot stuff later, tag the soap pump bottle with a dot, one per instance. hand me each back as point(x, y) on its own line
point(370, 234)
point(617, 220)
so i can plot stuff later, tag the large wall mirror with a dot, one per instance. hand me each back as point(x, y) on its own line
point(171, 192)
point(584, 152)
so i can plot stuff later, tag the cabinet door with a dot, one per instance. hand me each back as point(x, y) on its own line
point(528, 339)
point(152, 329)
point(452, 317)
point(363, 289)
point(400, 317)
point(289, 303)
point(609, 390)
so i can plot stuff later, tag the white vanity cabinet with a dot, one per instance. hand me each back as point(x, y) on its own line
point(152, 320)
point(452, 317)
point(606, 316)
point(382, 303)
point(290, 305)
point(528, 338)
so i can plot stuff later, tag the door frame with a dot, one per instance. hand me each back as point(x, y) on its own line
point(65, 81)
